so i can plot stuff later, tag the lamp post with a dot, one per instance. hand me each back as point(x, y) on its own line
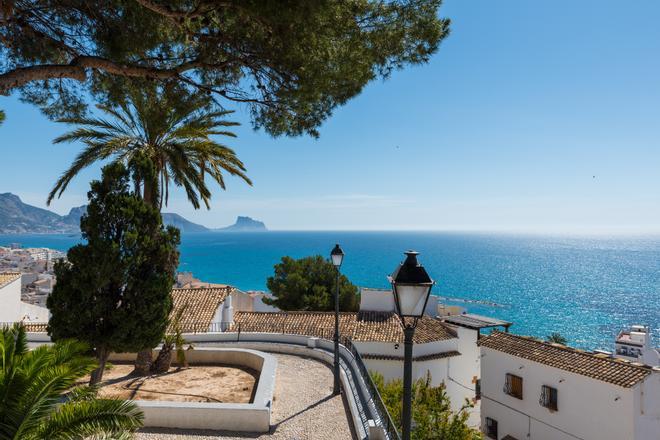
point(337, 256)
point(412, 287)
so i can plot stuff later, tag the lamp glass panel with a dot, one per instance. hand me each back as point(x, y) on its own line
point(412, 299)
point(337, 259)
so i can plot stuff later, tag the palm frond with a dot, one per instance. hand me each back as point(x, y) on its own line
point(92, 153)
point(81, 419)
point(173, 129)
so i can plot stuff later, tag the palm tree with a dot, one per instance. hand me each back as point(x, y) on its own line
point(556, 338)
point(169, 127)
point(40, 399)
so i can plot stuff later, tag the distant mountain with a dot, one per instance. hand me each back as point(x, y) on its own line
point(244, 224)
point(17, 217)
point(73, 217)
point(181, 223)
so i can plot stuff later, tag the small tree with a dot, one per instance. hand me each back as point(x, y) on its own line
point(556, 338)
point(174, 341)
point(309, 284)
point(114, 292)
point(431, 410)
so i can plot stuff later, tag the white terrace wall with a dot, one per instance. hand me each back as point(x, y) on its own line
point(358, 399)
point(588, 409)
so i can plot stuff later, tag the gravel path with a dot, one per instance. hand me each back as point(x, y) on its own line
point(303, 408)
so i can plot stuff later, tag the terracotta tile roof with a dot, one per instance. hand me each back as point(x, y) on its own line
point(8, 277)
point(359, 326)
point(201, 303)
point(427, 357)
point(569, 359)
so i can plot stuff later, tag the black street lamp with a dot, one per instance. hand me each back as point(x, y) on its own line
point(412, 287)
point(337, 256)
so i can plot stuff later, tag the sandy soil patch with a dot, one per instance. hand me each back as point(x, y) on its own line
point(214, 383)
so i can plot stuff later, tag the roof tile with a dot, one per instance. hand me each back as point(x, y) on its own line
point(611, 370)
point(359, 326)
point(201, 305)
point(8, 277)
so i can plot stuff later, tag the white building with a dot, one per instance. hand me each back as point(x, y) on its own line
point(10, 297)
point(541, 391)
point(252, 301)
point(12, 309)
point(635, 345)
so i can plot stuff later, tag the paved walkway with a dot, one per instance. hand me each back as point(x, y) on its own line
point(303, 408)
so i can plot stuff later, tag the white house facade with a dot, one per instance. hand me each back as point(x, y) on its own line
point(12, 309)
point(10, 297)
point(541, 391)
point(635, 345)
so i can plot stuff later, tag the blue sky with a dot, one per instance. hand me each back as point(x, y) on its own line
point(533, 116)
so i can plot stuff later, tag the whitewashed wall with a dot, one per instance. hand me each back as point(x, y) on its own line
point(32, 313)
point(393, 369)
point(588, 409)
point(10, 301)
point(463, 372)
point(458, 373)
point(376, 300)
point(647, 408)
point(242, 301)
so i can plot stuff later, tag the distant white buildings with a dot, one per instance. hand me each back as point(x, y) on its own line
point(541, 391)
point(635, 345)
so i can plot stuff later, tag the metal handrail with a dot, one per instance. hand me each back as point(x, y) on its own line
point(383, 413)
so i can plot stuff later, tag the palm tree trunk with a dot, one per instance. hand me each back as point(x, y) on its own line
point(102, 354)
point(143, 362)
point(149, 192)
point(163, 361)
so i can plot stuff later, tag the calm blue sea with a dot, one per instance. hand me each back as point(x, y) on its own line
point(585, 288)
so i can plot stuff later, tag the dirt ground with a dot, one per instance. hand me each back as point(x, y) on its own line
point(216, 383)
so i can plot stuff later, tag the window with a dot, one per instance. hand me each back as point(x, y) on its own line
point(477, 390)
point(548, 397)
point(513, 386)
point(491, 428)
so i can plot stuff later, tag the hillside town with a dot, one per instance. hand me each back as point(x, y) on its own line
point(36, 268)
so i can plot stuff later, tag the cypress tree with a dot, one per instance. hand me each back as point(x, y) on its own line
point(114, 290)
